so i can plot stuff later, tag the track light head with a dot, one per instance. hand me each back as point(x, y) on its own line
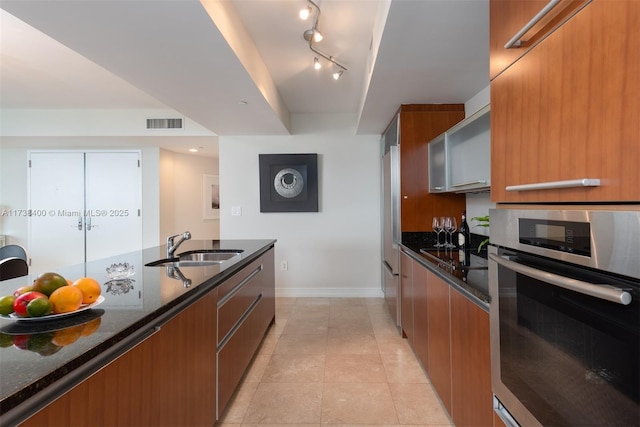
point(337, 74)
point(316, 63)
point(305, 13)
point(314, 34)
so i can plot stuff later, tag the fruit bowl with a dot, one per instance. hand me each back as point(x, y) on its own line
point(82, 308)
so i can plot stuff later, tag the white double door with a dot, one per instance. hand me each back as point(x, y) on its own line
point(84, 206)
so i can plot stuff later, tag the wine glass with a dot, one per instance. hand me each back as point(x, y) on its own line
point(437, 227)
point(445, 223)
point(452, 227)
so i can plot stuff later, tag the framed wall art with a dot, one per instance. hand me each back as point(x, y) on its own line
point(288, 182)
point(210, 197)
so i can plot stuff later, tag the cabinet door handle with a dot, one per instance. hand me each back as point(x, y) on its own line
point(515, 40)
point(87, 222)
point(80, 223)
point(572, 183)
point(437, 188)
point(464, 184)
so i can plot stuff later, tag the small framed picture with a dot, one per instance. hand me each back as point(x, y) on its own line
point(210, 197)
point(288, 182)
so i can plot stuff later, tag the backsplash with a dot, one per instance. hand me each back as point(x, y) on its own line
point(426, 239)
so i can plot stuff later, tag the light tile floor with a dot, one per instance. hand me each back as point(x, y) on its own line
point(338, 362)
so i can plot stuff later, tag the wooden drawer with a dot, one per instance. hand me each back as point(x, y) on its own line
point(246, 308)
point(237, 296)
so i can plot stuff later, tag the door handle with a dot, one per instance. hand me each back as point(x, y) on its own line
point(87, 221)
point(80, 223)
point(572, 183)
point(515, 40)
point(602, 291)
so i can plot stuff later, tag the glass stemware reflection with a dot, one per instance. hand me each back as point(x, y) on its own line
point(437, 227)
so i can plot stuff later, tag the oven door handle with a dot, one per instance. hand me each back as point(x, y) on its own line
point(605, 292)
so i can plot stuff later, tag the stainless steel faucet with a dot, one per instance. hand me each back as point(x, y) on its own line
point(175, 273)
point(171, 246)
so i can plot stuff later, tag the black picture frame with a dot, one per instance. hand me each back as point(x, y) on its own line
point(288, 182)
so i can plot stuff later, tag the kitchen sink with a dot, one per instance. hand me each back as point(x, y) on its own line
point(198, 258)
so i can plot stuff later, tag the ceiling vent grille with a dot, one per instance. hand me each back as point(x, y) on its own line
point(164, 124)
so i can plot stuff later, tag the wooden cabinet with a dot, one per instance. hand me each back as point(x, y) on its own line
point(568, 111)
point(176, 376)
point(472, 399)
point(439, 331)
point(508, 17)
point(419, 124)
point(246, 308)
point(449, 335)
point(167, 380)
point(420, 316)
point(406, 296)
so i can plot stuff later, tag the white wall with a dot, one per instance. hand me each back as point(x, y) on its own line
point(333, 252)
point(14, 175)
point(181, 196)
point(171, 195)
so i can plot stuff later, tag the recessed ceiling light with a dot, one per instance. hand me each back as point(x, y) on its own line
point(243, 102)
point(193, 150)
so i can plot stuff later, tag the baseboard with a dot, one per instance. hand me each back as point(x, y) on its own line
point(329, 293)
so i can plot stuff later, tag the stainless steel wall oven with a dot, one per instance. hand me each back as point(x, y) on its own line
point(565, 316)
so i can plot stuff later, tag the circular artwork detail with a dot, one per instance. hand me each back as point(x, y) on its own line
point(288, 183)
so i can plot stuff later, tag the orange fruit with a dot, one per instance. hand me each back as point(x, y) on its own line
point(47, 283)
point(90, 289)
point(90, 327)
point(66, 299)
point(67, 336)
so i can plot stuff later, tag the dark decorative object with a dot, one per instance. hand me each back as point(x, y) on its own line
point(288, 182)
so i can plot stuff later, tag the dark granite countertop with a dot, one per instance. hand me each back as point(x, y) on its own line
point(472, 282)
point(37, 356)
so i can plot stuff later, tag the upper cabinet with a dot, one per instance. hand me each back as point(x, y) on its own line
point(438, 176)
point(517, 25)
point(460, 158)
point(418, 125)
point(564, 117)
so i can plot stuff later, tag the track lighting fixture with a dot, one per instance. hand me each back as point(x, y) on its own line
point(313, 35)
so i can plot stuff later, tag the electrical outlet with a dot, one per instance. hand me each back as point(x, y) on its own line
point(284, 265)
point(236, 211)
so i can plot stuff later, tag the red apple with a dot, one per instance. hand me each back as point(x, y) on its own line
point(21, 341)
point(21, 302)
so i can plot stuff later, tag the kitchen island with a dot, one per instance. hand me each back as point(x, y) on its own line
point(166, 342)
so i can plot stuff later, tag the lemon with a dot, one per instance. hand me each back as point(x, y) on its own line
point(39, 307)
point(6, 304)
